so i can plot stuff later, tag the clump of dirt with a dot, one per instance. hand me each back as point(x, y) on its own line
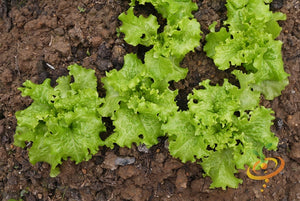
point(36, 36)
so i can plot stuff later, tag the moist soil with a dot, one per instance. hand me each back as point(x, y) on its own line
point(36, 33)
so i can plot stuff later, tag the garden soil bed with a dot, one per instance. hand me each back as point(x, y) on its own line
point(36, 33)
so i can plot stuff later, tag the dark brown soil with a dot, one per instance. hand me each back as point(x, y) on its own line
point(36, 33)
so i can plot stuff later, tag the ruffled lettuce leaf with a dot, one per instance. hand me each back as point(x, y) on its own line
point(137, 104)
point(180, 35)
point(255, 134)
point(139, 30)
point(173, 10)
point(184, 140)
point(249, 42)
point(132, 127)
point(163, 69)
point(220, 167)
point(178, 39)
point(62, 122)
point(225, 128)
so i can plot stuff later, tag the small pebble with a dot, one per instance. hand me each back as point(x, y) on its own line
point(40, 196)
point(124, 161)
point(109, 161)
point(143, 148)
point(278, 123)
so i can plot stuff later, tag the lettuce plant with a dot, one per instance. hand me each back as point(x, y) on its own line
point(225, 128)
point(250, 42)
point(137, 105)
point(62, 122)
point(138, 99)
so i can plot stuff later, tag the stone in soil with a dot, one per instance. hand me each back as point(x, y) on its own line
point(143, 148)
point(124, 161)
point(109, 161)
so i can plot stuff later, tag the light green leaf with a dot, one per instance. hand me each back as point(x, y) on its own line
point(83, 78)
point(132, 127)
point(173, 10)
point(213, 39)
point(163, 68)
point(179, 39)
point(42, 93)
point(139, 30)
point(220, 167)
point(183, 143)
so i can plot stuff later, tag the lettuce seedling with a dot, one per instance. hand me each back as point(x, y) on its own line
point(225, 128)
point(62, 122)
point(250, 43)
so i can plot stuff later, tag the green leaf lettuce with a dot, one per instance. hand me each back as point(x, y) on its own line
point(137, 104)
point(249, 42)
point(224, 128)
point(62, 122)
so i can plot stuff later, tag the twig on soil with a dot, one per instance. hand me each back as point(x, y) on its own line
point(99, 2)
point(50, 66)
point(83, 184)
point(16, 59)
point(51, 40)
point(111, 197)
point(17, 64)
